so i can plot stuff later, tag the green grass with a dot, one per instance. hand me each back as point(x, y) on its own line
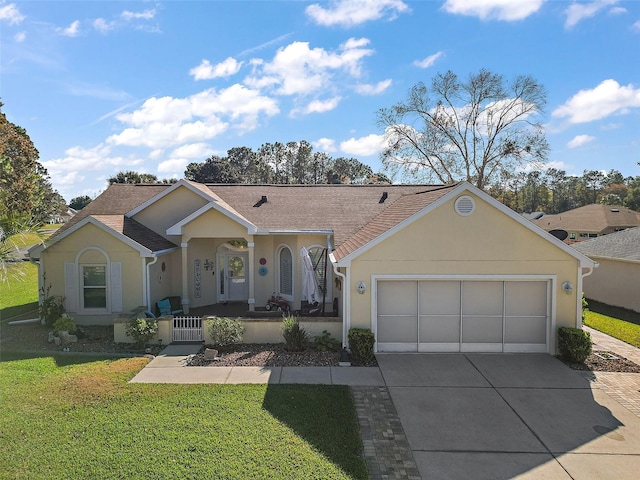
point(620, 329)
point(21, 287)
point(76, 417)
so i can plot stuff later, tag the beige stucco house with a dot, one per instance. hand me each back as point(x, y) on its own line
point(427, 268)
point(616, 281)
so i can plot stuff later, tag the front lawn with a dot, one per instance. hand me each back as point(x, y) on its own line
point(77, 417)
point(620, 329)
point(21, 287)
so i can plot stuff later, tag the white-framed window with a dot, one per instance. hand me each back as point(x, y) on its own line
point(284, 278)
point(94, 287)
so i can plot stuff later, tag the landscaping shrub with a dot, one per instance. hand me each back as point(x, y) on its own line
point(325, 342)
point(224, 330)
point(361, 342)
point(51, 309)
point(142, 330)
point(574, 344)
point(296, 338)
point(64, 323)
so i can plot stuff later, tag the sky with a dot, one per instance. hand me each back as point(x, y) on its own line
point(150, 86)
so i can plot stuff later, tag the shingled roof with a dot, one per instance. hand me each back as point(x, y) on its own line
point(624, 245)
point(595, 218)
point(136, 232)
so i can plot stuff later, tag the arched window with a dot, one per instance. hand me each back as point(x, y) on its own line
point(285, 271)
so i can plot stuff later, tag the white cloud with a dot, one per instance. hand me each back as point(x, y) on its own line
point(167, 121)
point(206, 71)
point(325, 145)
point(428, 61)
point(636, 26)
point(148, 14)
point(103, 26)
point(368, 89)
point(174, 167)
point(20, 37)
point(363, 146)
point(576, 12)
point(11, 14)
point(580, 141)
point(348, 13)
point(606, 99)
point(321, 106)
point(617, 11)
point(299, 70)
point(193, 150)
point(508, 10)
point(71, 31)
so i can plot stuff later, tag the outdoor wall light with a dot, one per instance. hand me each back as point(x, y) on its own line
point(567, 287)
point(361, 287)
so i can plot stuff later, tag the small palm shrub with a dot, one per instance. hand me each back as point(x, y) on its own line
point(296, 338)
point(51, 309)
point(64, 324)
point(325, 342)
point(361, 341)
point(574, 344)
point(224, 330)
point(142, 330)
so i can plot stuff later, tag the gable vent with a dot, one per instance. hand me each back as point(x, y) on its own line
point(465, 205)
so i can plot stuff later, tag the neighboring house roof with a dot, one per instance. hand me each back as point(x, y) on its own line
point(591, 218)
point(624, 245)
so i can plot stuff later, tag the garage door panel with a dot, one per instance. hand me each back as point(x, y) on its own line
point(482, 329)
point(398, 298)
point(439, 298)
point(525, 330)
point(398, 329)
point(440, 329)
point(482, 298)
point(525, 298)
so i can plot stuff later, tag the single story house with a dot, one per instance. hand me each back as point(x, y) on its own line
point(616, 281)
point(590, 221)
point(426, 268)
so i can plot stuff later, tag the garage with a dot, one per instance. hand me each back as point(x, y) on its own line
point(462, 315)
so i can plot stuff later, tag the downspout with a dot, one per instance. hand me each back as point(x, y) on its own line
point(579, 293)
point(155, 259)
point(345, 306)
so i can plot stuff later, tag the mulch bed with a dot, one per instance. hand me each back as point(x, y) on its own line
point(596, 363)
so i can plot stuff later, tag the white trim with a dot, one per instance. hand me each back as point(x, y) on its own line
point(177, 229)
point(144, 251)
point(396, 347)
point(455, 192)
point(548, 347)
point(167, 191)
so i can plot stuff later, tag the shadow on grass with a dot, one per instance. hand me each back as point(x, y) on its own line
point(19, 312)
point(324, 416)
point(615, 312)
point(62, 359)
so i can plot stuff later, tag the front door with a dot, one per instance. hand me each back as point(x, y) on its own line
point(235, 277)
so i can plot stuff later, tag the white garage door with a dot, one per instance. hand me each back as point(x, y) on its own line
point(462, 316)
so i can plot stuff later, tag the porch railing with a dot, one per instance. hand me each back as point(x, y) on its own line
point(187, 329)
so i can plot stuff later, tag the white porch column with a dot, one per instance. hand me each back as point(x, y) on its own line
point(185, 277)
point(252, 287)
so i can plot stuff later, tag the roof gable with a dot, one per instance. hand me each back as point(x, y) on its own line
point(623, 245)
point(591, 218)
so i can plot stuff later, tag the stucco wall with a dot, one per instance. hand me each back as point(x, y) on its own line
point(54, 258)
point(615, 283)
point(486, 242)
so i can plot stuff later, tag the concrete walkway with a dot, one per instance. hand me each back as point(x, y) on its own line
point(169, 367)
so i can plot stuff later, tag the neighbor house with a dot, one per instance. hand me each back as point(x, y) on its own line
point(589, 221)
point(427, 268)
point(617, 279)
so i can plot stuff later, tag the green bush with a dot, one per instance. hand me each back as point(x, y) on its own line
point(574, 344)
point(296, 338)
point(224, 330)
point(64, 323)
point(361, 341)
point(51, 309)
point(142, 330)
point(325, 342)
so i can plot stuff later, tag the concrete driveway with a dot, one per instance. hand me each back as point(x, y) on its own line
point(500, 416)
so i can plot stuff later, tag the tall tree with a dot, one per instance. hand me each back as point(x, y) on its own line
point(214, 169)
point(465, 130)
point(78, 203)
point(25, 189)
point(594, 181)
point(131, 176)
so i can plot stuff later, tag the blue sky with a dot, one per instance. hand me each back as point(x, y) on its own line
point(152, 86)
